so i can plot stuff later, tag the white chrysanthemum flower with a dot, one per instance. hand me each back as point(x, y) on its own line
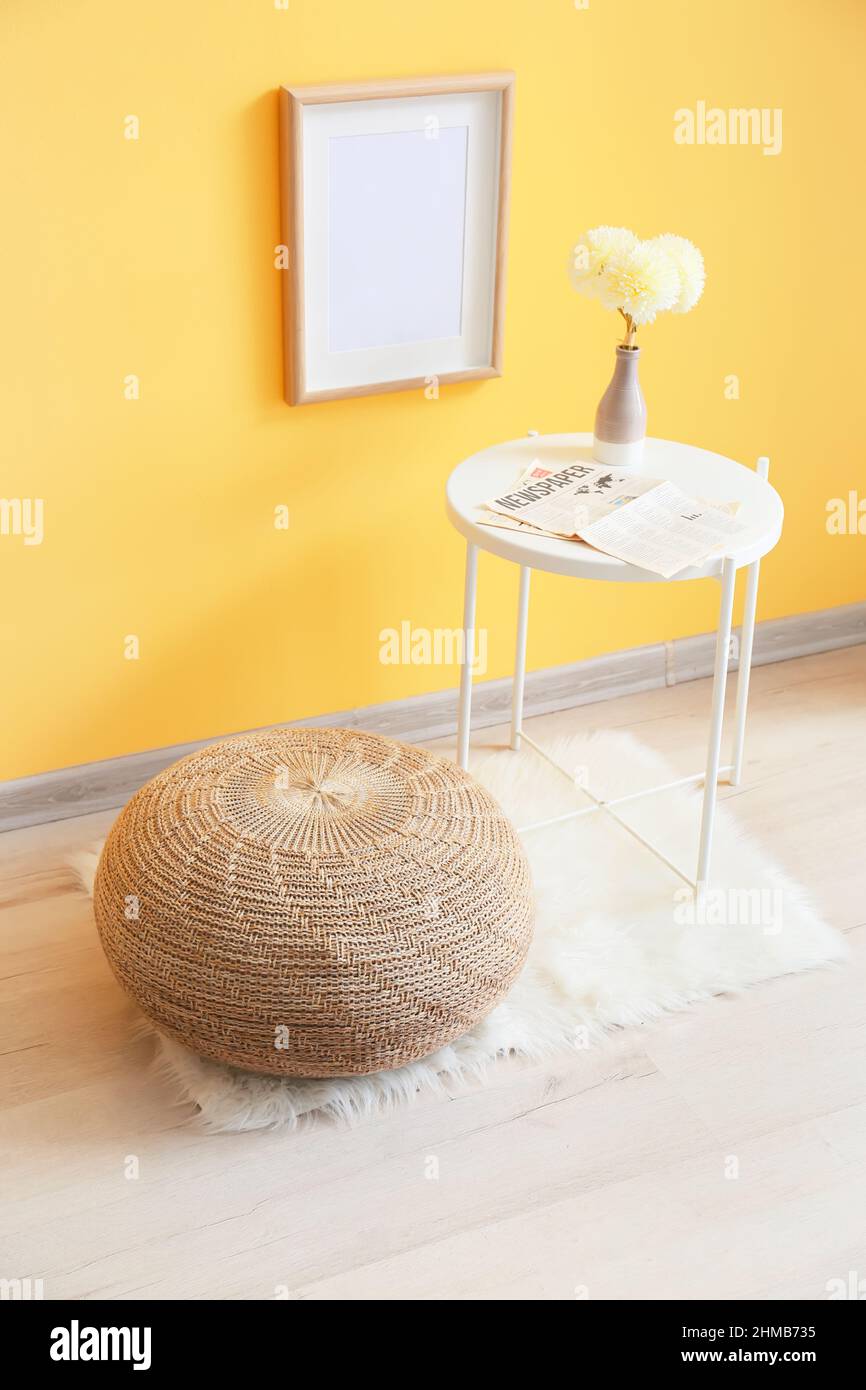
point(641, 282)
point(690, 268)
point(592, 251)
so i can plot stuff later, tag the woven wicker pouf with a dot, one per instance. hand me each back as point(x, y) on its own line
point(314, 902)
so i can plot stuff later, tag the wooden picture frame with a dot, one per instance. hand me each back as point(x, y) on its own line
point(357, 204)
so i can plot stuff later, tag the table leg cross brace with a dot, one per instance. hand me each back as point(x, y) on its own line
point(601, 804)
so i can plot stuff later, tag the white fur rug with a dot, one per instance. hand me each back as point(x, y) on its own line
point(618, 938)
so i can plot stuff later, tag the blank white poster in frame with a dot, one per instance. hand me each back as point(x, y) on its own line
point(395, 216)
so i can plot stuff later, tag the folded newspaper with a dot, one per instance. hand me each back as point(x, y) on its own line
point(644, 521)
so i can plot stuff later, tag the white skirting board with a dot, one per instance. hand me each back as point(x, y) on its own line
point(77, 791)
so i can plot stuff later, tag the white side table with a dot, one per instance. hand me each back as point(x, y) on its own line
point(699, 473)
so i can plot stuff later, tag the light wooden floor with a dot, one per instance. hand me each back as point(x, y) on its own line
point(602, 1178)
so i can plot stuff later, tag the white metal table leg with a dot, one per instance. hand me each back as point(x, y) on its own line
point(745, 663)
point(464, 712)
point(745, 668)
point(520, 658)
point(720, 673)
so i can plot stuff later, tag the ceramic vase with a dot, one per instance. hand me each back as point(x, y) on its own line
point(620, 421)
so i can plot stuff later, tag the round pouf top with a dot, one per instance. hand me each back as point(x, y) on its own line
point(314, 902)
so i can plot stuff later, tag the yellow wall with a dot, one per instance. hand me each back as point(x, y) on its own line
point(156, 257)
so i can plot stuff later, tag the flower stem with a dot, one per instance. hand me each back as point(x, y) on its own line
point(628, 340)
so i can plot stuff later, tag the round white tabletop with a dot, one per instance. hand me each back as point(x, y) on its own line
point(697, 471)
